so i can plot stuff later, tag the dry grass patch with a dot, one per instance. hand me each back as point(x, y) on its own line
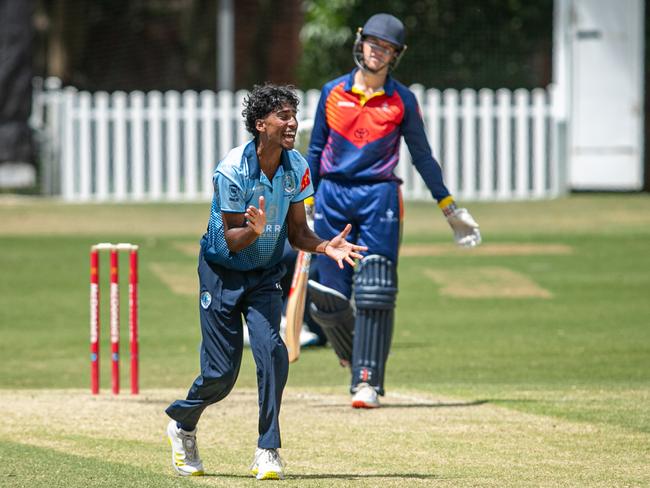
point(414, 440)
point(487, 249)
point(179, 277)
point(187, 248)
point(485, 282)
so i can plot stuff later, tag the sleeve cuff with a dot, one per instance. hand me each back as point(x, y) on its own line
point(447, 205)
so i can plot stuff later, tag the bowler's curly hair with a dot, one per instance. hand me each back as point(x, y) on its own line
point(263, 100)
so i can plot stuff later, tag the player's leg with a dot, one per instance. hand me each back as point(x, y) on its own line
point(375, 291)
point(220, 358)
point(330, 305)
point(263, 309)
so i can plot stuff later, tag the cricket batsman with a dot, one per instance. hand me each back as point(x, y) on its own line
point(354, 149)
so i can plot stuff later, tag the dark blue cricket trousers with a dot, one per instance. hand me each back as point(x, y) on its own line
point(375, 212)
point(257, 296)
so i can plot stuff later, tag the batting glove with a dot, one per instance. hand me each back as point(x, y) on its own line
point(465, 228)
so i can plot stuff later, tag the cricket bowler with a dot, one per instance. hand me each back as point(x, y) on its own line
point(259, 189)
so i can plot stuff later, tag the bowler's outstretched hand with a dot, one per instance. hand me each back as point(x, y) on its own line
point(341, 250)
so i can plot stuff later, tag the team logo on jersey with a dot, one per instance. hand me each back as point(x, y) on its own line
point(304, 183)
point(234, 194)
point(361, 133)
point(289, 182)
point(206, 300)
point(389, 217)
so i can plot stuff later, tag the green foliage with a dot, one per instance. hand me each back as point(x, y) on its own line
point(475, 43)
point(327, 41)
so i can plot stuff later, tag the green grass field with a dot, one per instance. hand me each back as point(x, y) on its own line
point(525, 362)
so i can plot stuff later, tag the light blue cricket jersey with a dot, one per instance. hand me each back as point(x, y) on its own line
point(238, 183)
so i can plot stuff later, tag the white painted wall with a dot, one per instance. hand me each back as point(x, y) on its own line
point(599, 71)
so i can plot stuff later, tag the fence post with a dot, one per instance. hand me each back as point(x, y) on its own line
point(225, 116)
point(136, 101)
point(85, 147)
point(504, 148)
point(68, 148)
point(190, 100)
point(432, 115)
point(468, 162)
point(172, 104)
point(208, 159)
point(539, 151)
point(101, 146)
point(522, 159)
point(120, 149)
point(486, 137)
point(155, 145)
point(450, 160)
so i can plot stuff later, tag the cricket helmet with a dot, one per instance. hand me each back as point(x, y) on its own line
point(385, 27)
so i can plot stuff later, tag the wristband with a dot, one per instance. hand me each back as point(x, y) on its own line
point(447, 205)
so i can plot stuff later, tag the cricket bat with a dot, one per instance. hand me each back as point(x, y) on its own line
point(298, 294)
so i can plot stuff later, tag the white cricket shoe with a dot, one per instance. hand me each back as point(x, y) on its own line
point(365, 397)
point(185, 452)
point(267, 465)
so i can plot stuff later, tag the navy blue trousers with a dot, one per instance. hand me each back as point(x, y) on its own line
point(226, 295)
point(375, 212)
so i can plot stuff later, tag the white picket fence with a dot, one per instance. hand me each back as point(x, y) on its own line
point(157, 146)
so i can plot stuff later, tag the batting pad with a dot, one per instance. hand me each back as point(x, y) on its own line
point(333, 312)
point(375, 288)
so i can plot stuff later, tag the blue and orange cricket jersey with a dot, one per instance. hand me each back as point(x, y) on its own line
point(355, 139)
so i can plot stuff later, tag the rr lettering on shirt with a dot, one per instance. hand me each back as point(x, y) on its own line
point(273, 228)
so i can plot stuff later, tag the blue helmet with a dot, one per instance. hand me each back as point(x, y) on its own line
point(385, 27)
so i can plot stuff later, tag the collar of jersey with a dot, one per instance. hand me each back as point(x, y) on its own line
point(254, 164)
point(363, 98)
point(389, 84)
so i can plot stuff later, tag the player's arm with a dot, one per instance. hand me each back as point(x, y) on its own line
point(412, 128)
point(465, 229)
point(242, 229)
point(302, 237)
point(318, 139)
point(299, 234)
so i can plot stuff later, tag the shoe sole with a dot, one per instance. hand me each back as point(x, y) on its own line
point(176, 468)
point(362, 404)
point(270, 475)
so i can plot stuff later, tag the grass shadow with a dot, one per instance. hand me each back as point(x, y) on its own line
point(338, 476)
point(473, 403)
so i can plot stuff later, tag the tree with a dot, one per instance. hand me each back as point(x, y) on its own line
point(474, 43)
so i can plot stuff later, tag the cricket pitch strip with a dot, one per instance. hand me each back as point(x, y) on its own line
point(415, 439)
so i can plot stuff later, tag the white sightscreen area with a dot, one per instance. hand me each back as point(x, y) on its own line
point(600, 46)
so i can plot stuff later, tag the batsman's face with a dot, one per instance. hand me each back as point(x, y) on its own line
point(377, 53)
point(280, 126)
